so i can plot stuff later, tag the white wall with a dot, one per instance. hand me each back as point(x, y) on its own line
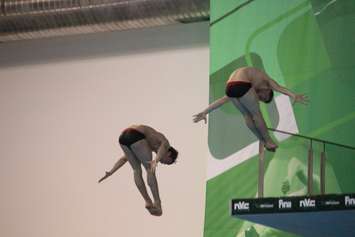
point(65, 101)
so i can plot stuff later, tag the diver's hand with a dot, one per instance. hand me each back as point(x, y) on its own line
point(300, 98)
point(153, 166)
point(107, 174)
point(200, 116)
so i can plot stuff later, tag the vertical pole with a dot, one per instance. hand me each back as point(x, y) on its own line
point(310, 170)
point(261, 170)
point(322, 170)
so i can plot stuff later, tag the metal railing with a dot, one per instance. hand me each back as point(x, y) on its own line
point(310, 162)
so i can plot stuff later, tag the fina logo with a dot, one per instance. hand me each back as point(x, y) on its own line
point(307, 202)
point(241, 206)
point(349, 201)
point(285, 204)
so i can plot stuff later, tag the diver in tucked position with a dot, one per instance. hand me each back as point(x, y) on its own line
point(245, 88)
point(138, 142)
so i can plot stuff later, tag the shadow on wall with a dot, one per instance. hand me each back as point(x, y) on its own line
point(40, 51)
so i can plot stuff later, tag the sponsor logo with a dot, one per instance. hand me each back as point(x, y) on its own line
point(266, 205)
point(349, 201)
point(307, 202)
point(285, 204)
point(332, 203)
point(241, 206)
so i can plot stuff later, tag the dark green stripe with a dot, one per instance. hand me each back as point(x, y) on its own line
point(231, 12)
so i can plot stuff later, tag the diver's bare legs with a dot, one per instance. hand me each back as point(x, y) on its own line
point(248, 119)
point(138, 179)
point(251, 103)
point(144, 154)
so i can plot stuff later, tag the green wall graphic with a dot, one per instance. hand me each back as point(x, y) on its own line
point(307, 46)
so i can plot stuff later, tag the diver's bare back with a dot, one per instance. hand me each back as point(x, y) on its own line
point(153, 137)
point(249, 74)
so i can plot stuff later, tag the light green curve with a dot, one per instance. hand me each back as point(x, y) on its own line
point(332, 125)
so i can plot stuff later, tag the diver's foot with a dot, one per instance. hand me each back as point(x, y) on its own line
point(156, 209)
point(149, 205)
point(270, 146)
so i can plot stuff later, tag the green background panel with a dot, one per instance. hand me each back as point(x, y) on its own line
point(307, 46)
